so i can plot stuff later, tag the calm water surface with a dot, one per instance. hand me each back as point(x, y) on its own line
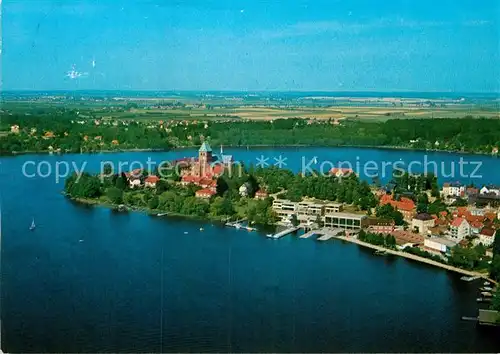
point(90, 279)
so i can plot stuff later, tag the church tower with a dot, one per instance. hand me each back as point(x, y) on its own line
point(204, 159)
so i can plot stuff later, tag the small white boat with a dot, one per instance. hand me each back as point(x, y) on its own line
point(161, 214)
point(32, 227)
point(201, 228)
point(237, 226)
point(270, 235)
point(185, 232)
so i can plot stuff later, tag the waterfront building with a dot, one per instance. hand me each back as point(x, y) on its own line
point(459, 229)
point(284, 208)
point(421, 223)
point(345, 221)
point(309, 210)
point(381, 226)
point(333, 208)
point(439, 244)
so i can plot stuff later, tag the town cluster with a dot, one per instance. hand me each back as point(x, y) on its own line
point(437, 233)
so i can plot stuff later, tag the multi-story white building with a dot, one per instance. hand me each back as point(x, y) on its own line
point(459, 229)
point(306, 211)
point(309, 210)
point(284, 208)
point(345, 221)
point(487, 237)
point(454, 189)
point(421, 223)
point(439, 244)
point(333, 208)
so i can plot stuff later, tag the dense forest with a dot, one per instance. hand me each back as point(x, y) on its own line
point(74, 131)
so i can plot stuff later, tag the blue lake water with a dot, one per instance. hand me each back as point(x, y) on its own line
point(90, 279)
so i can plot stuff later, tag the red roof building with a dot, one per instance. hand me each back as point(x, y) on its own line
point(205, 193)
point(151, 181)
point(341, 172)
point(487, 236)
point(261, 194)
point(406, 206)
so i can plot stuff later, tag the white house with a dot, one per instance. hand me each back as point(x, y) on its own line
point(490, 190)
point(459, 229)
point(487, 236)
point(421, 223)
point(454, 189)
point(243, 190)
point(134, 182)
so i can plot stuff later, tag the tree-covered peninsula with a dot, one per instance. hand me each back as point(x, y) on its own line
point(229, 201)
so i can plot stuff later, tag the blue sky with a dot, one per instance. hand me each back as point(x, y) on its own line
point(333, 45)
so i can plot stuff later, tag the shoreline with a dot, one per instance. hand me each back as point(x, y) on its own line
point(143, 210)
point(418, 258)
point(178, 148)
point(403, 254)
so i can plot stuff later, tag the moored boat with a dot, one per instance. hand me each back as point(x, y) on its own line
point(32, 227)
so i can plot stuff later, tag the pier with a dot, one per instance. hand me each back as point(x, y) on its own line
point(286, 232)
point(311, 233)
point(326, 237)
point(237, 224)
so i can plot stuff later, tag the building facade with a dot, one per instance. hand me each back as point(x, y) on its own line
point(347, 221)
point(459, 229)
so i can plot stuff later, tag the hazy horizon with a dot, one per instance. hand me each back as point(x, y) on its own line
point(244, 46)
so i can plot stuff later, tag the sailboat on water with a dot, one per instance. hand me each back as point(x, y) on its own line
point(32, 227)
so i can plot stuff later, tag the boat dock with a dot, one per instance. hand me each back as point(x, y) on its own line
point(286, 232)
point(237, 224)
point(311, 233)
point(323, 234)
point(326, 237)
